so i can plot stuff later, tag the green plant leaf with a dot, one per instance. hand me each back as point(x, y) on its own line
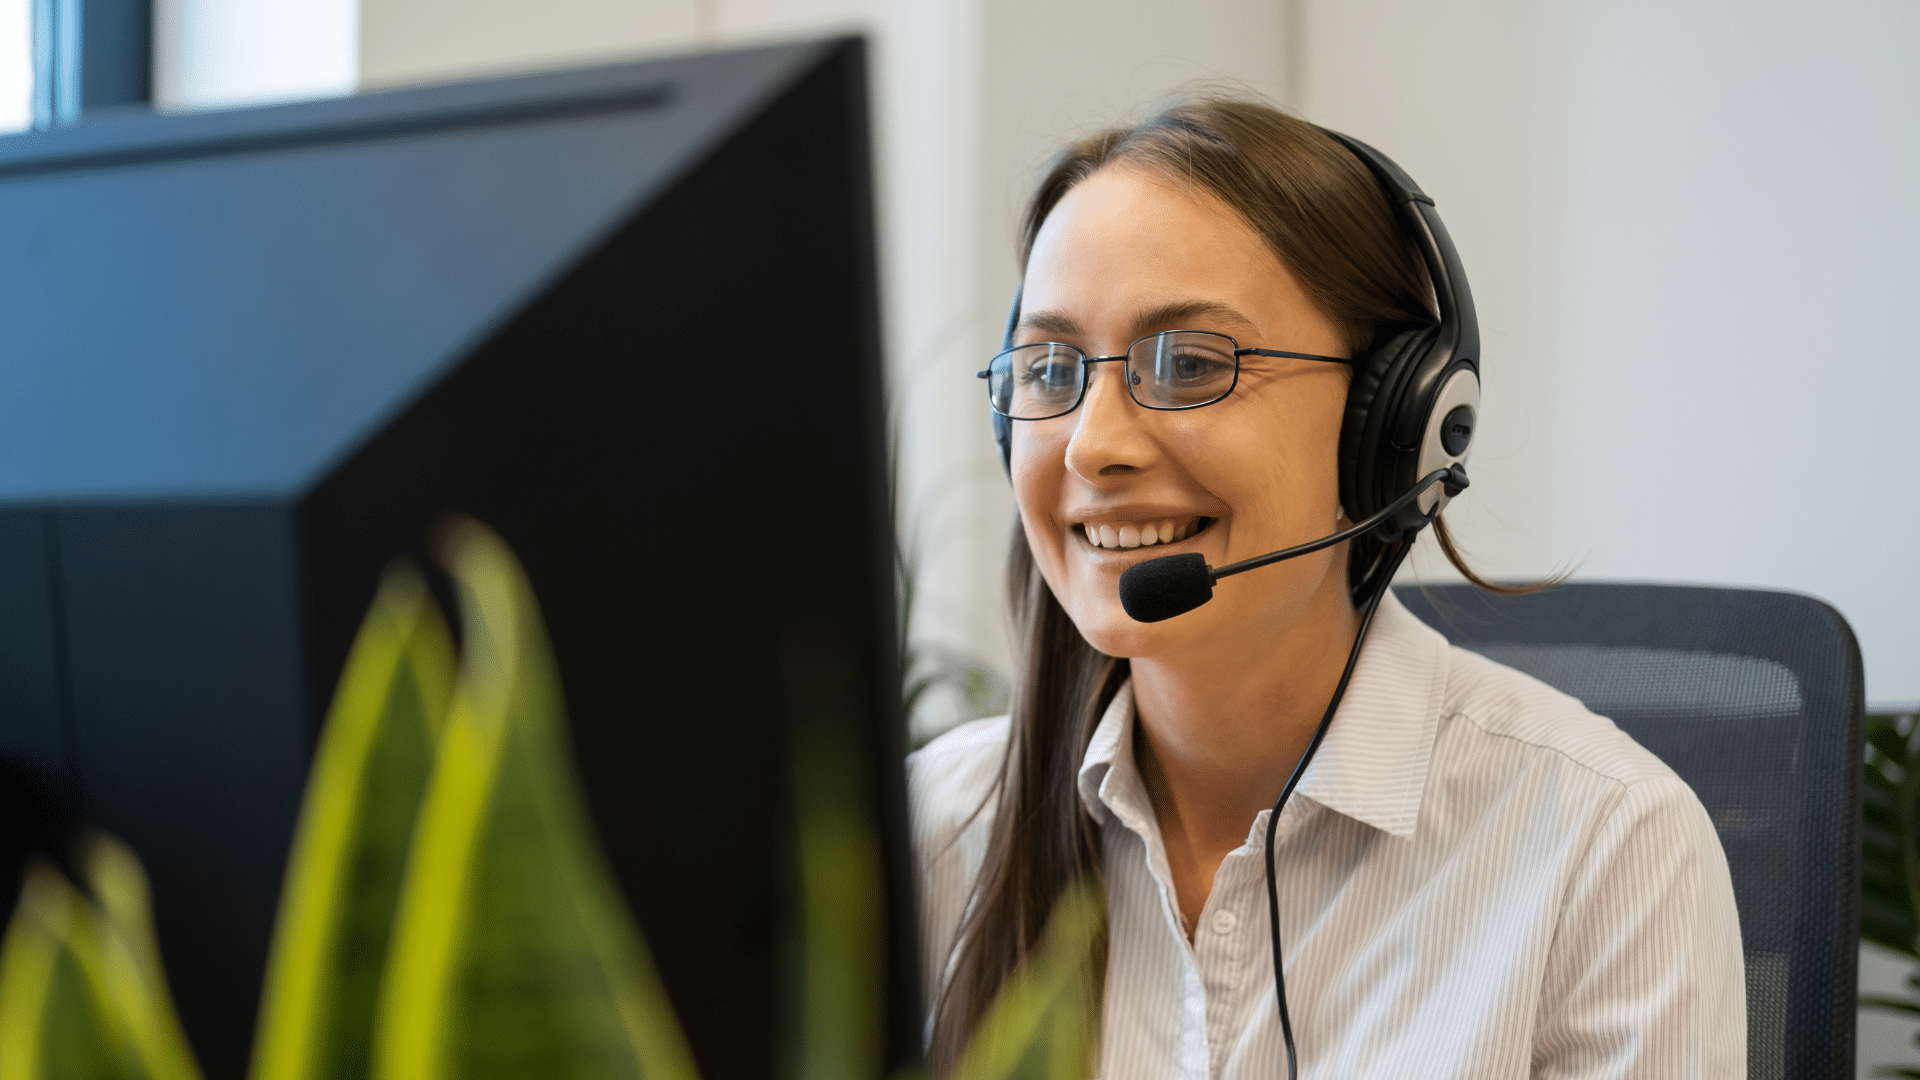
point(1045, 1021)
point(349, 855)
point(1887, 916)
point(132, 956)
point(834, 986)
point(1909, 827)
point(57, 1016)
point(1890, 851)
point(1884, 737)
point(513, 953)
point(1892, 1004)
point(82, 993)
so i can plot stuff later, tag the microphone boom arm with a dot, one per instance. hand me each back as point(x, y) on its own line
point(1454, 477)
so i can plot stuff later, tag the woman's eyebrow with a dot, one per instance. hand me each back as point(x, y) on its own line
point(1158, 317)
point(1163, 316)
point(1050, 322)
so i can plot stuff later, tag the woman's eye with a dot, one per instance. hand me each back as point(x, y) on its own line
point(1047, 374)
point(1194, 366)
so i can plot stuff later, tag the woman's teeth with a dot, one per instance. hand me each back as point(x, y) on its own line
point(1145, 534)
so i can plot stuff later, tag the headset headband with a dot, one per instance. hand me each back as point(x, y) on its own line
point(1459, 325)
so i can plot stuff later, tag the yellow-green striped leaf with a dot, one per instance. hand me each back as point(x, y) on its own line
point(1044, 1023)
point(132, 959)
point(514, 955)
point(57, 1018)
point(82, 994)
point(834, 990)
point(349, 854)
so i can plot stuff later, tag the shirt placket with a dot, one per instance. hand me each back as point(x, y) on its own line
point(1193, 1045)
point(1223, 945)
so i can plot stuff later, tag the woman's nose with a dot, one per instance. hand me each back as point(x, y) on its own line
point(1109, 438)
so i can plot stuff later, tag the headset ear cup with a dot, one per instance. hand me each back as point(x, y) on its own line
point(1367, 461)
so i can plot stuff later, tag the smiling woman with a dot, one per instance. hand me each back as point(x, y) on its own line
point(1101, 266)
point(1479, 878)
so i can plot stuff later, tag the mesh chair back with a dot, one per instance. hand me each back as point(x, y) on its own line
point(1756, 700)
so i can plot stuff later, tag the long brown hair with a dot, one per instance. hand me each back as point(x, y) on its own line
point(1330, 223)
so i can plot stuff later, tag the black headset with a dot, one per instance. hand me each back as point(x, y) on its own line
point(1412, 404)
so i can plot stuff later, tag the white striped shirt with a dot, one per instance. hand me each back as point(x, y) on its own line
point(1477, 877)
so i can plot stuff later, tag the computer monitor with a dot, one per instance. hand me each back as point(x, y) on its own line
point(625, 316)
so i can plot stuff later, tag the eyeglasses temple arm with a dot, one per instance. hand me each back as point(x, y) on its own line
point(1292, 355)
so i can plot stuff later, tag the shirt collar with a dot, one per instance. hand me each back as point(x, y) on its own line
point(1372, 766)
point(1109, 782)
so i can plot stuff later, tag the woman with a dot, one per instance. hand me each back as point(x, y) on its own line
point(1477, 878)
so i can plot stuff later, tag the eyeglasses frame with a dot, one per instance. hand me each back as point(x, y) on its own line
point(1086, 379)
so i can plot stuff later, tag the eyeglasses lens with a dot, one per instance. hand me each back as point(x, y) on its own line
point(1181, 369)
point(1034, 382)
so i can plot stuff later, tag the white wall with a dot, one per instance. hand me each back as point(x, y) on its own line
point(225, 53)
point(1688, 229)
point(404, 41)
point(16, 65)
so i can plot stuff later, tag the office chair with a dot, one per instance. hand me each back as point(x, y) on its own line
point(1755, 699)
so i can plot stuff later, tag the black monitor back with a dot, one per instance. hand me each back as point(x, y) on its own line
point(624, 316)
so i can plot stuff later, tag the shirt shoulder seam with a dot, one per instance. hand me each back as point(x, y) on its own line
point(1622, 783)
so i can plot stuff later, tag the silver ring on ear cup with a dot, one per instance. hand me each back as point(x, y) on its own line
point(1451, 423)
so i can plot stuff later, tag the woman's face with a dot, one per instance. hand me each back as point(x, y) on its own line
point(1125, 254)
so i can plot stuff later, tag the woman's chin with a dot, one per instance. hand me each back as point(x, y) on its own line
point(1108, 628)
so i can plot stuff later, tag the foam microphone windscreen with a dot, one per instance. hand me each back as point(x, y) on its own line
point(1167, 586)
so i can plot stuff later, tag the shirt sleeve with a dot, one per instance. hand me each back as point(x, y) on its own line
point(1645, 976)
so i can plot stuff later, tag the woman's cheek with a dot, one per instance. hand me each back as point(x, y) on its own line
point(1037, 478)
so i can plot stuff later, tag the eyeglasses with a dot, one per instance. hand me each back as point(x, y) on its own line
point(1176, 369)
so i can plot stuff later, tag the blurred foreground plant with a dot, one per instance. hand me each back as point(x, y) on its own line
point(513, 952)
point(1044, 1024)
point(349, 854)
point(82, 994)
point(446, 912)
point(835, 975)
point(1890, 863)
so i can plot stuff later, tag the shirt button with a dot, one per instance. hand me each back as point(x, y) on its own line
point(1224, 922)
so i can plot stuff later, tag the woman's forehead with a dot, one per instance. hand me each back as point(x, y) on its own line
point(1125, 249)
point(1125, 209)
